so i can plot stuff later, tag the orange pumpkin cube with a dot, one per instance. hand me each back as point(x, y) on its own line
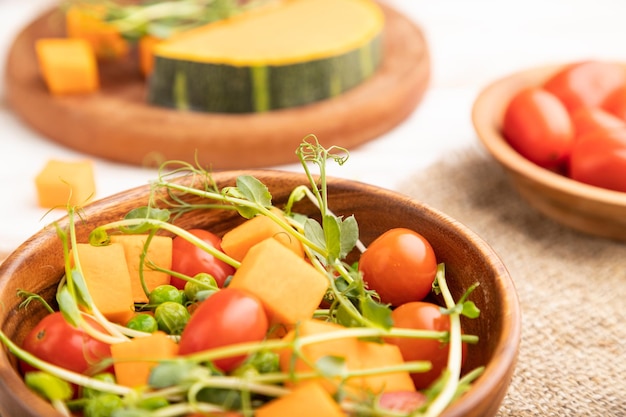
point(68, 66)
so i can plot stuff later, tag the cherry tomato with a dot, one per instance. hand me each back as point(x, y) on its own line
point(599, 159)
point(537, 125)
point(400, 265)
point(227, 317)
point(190, 260)
point(590, 119)
point(586, 84)
point(615, 103)
point(401, 401)
point(425, 316)
point(54, 340)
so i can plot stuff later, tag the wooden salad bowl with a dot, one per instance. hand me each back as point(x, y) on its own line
point(37, 266)
point(592, 210)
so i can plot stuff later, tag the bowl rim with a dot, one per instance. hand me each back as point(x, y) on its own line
point(486, 117)
point(498, 371)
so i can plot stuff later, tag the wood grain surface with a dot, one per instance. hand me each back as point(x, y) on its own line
point(117, 124)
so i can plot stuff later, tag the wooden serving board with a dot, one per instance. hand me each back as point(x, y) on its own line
point(117, 124)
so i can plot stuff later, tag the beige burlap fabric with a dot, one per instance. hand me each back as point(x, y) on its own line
point(572, 290)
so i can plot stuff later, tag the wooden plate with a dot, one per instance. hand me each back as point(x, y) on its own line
point(117, 124)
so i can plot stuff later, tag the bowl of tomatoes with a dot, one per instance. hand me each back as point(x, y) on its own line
point(342, 337)
point(559, 132)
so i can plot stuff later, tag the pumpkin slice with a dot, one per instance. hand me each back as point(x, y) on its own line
point(284, 55)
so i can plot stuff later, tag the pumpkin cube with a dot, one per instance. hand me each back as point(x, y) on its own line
point(289, 287)
point(68, 66)
point(60, 183)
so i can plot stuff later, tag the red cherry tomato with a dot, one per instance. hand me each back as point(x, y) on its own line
point(190, 260)
point(54, 340)
point(590, 119)
point(425, 316)
point(227, 317)
point(400, 265)
point(599, 159)
point(615, 103)
point(401, 401)
point(586, 84)
point(537, 125)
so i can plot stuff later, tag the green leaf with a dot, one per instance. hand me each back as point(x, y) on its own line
point(344, 317)
point(254, 190)
point(148, 213)
point(351, 289)
point(314, 232)
point(349, 235)
point(331, 366)
point(332, 236)
point(377, 313)
point(250, 189)
point(170, 373)
point(49, 386)
point(470, 310)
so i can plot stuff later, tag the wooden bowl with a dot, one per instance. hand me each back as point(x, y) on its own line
point(580, 206)
point(37, 266)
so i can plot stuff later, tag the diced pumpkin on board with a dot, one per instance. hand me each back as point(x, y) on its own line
point(108, 280)
point(159, 252)
point(288, 286)
point(133, 360)
point(68, 66)
point(85, 22)
point(237, 241)
point(62, 183)
point(292, 53)
point(307, 400)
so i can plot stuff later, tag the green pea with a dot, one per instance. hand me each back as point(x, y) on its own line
point(200, 287)
point(104, 376)
point(265, 361)
point(261, 362)
point(164, 293)
point(171, 317)
point(143, 322)
point(103, 405)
